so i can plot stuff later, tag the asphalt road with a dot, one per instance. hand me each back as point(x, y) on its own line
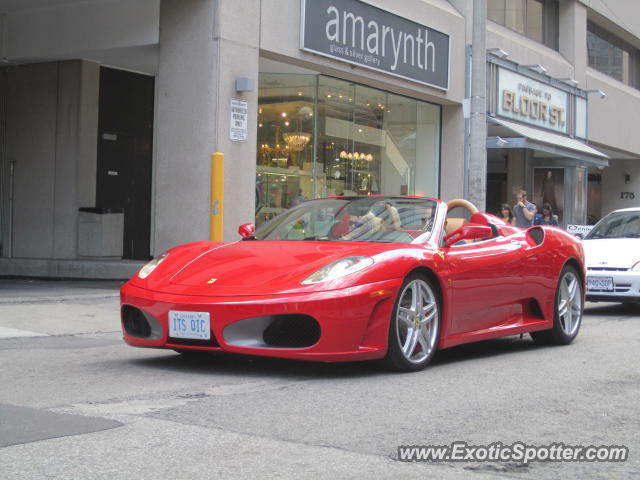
point(77, 403)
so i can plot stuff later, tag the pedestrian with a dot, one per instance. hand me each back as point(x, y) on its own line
point(523, 211)
point(546, 217)
point(506, 214)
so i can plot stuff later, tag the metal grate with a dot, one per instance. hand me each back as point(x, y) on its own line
point(212, 342)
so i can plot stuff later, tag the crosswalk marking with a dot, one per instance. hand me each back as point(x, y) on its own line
point(6, 332)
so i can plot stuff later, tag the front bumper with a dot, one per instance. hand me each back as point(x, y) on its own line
point(353, 322)
point(626, 286)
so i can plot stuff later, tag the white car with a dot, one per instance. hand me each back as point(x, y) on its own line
point(612, 257)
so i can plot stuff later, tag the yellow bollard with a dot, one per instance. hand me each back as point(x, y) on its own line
point(217, 196)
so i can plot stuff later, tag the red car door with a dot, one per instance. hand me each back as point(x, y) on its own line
point(485, 281)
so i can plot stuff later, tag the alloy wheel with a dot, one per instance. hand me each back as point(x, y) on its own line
point(570, 303)
point(417, 322)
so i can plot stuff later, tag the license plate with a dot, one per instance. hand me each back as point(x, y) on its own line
point(600, 284)
point(195, 325)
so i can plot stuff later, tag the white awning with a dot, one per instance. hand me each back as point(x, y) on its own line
point(534, 138)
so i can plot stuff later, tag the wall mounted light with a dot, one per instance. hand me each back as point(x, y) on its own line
point(498, 52)
point(598, 91)
point(536, 67)
point(572, 82)
point(245, 84)
point(496, 142)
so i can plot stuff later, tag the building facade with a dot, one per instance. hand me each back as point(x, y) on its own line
point(111, 110)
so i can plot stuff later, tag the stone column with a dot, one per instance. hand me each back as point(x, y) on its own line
point(451, 164)
point(204, 46)
point(572, 26)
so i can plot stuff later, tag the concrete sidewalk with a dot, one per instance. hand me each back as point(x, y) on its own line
point(20, 290)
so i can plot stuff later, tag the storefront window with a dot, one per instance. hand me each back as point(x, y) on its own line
point(548, 187)
point(536, 19)
point(285, 147)
point(612, 56)
point(320, 136)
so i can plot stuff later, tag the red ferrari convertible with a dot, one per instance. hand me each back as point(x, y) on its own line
point(360, 278)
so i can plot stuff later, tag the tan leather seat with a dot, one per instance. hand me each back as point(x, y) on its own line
point(453, 223)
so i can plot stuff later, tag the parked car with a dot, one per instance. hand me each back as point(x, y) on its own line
point(612, 255)
point(360, 278)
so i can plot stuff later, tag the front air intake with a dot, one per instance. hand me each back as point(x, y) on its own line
point(134, 322)
point(292, 331)
point(274, 331)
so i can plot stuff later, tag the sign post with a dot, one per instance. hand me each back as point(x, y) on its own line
point(217, 197)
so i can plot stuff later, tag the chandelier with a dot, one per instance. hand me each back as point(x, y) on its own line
point(296, 141)
point(274, 151)
point(356, 156)
point(268, 152)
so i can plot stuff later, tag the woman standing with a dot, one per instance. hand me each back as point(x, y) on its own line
point(546, 217)
point(506, 214)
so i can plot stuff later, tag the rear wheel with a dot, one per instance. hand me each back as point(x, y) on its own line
point(567, 315)
point(415, 325)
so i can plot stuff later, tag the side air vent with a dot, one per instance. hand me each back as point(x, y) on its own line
point(536, 234)
point(536, 311)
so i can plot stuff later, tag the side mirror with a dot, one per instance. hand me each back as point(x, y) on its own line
point(468, 231)
point(247, 231)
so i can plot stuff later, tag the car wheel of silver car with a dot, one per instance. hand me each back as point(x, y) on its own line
point(567, 314)
point(415, 325)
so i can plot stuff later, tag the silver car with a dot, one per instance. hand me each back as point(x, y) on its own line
point(612, 257)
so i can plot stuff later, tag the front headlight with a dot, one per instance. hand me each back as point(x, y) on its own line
point(636, 267)
point(151, 266)
point(339, 268)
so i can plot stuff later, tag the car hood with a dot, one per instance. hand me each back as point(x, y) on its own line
point(611, 252)
point(256, 267)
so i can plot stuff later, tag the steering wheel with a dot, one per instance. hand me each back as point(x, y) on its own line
point(461, 202)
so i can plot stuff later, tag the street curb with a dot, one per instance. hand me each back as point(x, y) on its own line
point(57, 299)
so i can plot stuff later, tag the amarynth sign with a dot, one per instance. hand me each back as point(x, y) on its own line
point(358, 33)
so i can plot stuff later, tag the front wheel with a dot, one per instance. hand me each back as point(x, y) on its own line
point(415, 325)
point(567, 314)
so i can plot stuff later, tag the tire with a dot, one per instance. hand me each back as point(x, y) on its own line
point(414, 328)
point(567, 312)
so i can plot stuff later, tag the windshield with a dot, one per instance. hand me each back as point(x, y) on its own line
point(617, 225)
point(353, 219)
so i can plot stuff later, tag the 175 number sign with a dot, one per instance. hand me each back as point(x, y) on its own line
point(627, 195)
